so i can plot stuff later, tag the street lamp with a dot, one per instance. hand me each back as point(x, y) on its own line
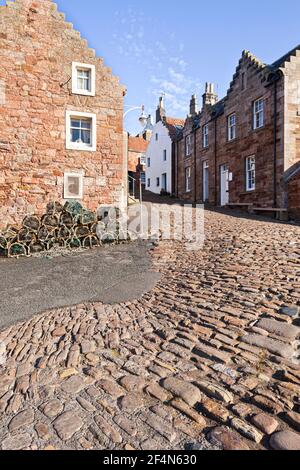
point(142, 118)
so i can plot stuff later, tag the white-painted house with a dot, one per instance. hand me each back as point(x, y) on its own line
point(159, 152)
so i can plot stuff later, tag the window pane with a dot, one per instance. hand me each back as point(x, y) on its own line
point(75, 135)
point(83, 79)
point(86, 137)
point(75, 123)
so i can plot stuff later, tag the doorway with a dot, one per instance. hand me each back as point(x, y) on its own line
point(224, 185)
point(205, 181)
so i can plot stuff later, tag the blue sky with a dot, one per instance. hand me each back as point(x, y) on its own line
point(175, 47)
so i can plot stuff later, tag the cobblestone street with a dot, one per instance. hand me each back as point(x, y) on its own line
point(209, 359)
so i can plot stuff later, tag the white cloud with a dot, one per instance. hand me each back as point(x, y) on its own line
point(161, 60)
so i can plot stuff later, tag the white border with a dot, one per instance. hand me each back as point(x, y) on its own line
point(74, 146)
point(77, 175)
point(92, 68)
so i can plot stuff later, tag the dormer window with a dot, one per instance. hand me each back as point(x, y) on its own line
point(83, 79)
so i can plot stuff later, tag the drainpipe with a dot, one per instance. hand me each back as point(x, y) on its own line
point(177, 168)
point(216, 165)
point(195, 167)
point(275, 143)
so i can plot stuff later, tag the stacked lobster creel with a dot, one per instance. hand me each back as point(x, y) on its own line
point(69, 226)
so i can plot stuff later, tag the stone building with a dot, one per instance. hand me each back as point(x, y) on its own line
point(160, 153)
point(238, 150)
point(61, 115)
point(137, 147)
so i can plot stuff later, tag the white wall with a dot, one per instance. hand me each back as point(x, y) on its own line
point(158, 166)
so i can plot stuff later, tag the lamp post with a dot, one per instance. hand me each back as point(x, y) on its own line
point(142, 118)
point(143, 121)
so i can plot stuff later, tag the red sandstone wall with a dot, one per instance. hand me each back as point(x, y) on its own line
point(37, 48)
point(294, 197)
point(247, 143)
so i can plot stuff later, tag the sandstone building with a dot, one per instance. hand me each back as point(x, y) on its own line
point(61, 115)
point(240, 150)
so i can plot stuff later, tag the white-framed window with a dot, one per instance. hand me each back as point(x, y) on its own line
point(83, 79)
point(165, 156)
point(188, 145)
point(188, 180)
point(258, 114)
point(205, 136)
point(81, 131)
point(157, 182)
point(250, 173)
point(148, 182)
point(73, 185)
point(143, 177)
point(231, 125)
point(156, 137)
point(143, 159)
point(148, 162)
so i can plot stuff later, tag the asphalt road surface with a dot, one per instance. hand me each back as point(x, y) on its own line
point(110, 275)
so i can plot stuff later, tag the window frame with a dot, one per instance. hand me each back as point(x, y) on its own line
point(148, 162)
point(143, 177)
point(188, 179)
point(205, 136)
point(92, 69)
point(148, 182)
point(157, 181)
point(256, 113)
point(165, 155)
point(231, 128)
point(73, 174)
point(81, 146)
point(188, 145)
point(143, 160)
point(248, 170)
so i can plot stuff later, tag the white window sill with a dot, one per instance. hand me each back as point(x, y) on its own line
point(81, 148)
point(83, 92)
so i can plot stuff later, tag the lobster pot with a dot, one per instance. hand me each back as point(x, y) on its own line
point(64, 232)
point(54, 208)
point(73, 208)
point(32, 223)
point(11, 235)
point(109, 238)
point(50, 220)
point(26, 236)
point(46, 233)
point(82, 231)
point(36, 247)
point(48, 244)
point(3, 242)
point(15, 250)
point(73, 242)
point(90, 241)
point(66, 220)
point(87, 217)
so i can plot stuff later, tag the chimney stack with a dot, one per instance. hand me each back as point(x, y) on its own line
point(160, 112)
point(210, 97)
point(194, 106)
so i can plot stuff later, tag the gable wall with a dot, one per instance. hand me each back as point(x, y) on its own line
point(37, 48)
